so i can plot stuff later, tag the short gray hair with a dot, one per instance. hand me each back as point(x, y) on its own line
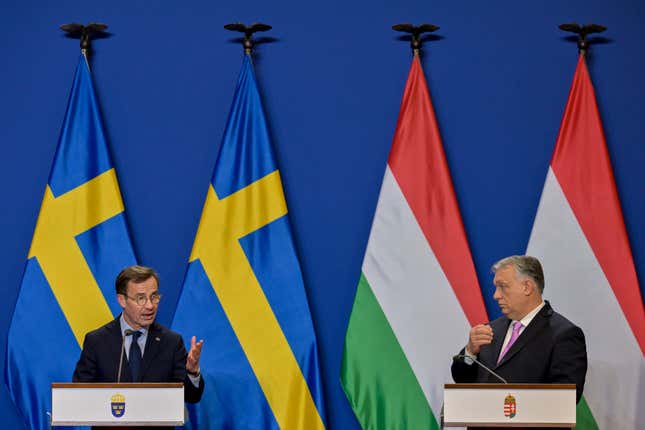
point(524, 265)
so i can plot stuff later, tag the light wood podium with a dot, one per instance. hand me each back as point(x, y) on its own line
point(112, 404)
point(509, 405)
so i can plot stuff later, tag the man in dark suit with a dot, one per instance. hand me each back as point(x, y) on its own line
point(531, 343)
point(151, 352)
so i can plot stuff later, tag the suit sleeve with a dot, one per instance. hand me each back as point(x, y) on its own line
point(192, 394)
point(462, 372)
point(86, 366)
point(569, 360)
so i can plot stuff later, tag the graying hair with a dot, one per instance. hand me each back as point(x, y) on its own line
point(524, 265)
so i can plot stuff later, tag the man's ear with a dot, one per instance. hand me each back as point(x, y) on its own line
point(121, 299)
point(529, 286)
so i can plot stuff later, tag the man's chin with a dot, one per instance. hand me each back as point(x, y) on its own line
point(145, 322)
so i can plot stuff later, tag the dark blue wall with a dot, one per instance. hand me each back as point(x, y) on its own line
point(332, 81)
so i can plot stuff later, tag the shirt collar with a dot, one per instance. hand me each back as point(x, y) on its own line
point(529, 317)
point(125, 326)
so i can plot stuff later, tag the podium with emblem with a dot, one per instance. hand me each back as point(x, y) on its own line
point(509, 405)
point(112, 404)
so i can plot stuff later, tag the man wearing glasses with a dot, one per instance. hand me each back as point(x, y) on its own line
point(135, 348)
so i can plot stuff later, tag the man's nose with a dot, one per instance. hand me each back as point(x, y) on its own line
point(496, 294)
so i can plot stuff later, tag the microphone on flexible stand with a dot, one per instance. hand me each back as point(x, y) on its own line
point(462, 358)
point(126, 333)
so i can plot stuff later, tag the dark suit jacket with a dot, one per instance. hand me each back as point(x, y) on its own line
point(551, 349)
point(164, 359)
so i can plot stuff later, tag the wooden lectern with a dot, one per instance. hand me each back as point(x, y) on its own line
point(509, 405)
point(112, 404)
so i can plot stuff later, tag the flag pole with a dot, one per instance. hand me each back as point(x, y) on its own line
point(582, 31)
point(415, 32)
point(248, 43)
point(85, 33)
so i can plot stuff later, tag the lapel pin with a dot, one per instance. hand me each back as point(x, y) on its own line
point(157, 339)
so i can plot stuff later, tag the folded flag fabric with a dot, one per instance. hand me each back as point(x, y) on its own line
point(580, 237)
point(243, 292)
point(418, 292)
point(80, 244)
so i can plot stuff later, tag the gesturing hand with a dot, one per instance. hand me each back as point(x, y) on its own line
point(192, 362)
point(479, 335)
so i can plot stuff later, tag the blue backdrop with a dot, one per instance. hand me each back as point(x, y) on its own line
point(332, 78)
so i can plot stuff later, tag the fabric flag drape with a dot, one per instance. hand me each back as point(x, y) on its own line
point(80, 244)
point(418, 292)
point(580, 237)
point(243, 291)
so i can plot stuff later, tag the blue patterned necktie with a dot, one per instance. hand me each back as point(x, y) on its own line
point(135, 357)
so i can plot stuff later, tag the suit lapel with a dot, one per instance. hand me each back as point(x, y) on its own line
point(499, 333)
point(536, 325)
point(153, 343)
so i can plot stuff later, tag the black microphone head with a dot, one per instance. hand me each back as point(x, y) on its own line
point(127, 332)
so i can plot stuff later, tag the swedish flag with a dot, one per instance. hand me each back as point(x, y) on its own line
point(80, 244)
point(243, 291)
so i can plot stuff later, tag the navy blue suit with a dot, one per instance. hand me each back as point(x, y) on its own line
point(164, 359)
point(550, 350)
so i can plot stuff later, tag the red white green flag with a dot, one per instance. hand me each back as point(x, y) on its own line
point(580, 237)
point(418, 293)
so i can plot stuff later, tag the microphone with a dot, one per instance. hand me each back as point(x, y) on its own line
point(462, 358)
point(126, 333)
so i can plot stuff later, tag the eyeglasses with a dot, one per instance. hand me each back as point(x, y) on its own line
point(142, 300)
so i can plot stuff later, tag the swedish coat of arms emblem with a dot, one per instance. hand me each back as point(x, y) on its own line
point(118, 405)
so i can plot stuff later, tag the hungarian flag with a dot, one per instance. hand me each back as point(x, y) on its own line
point(580, 237)
point(418, 293)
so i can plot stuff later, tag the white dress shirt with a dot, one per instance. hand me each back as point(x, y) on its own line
point(525, 322)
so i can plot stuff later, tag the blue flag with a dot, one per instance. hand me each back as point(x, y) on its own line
point(243, 291)
point(80, 244)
